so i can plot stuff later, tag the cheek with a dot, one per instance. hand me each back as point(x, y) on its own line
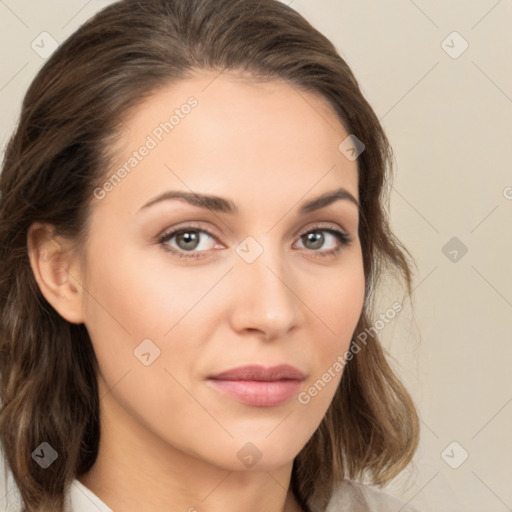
point(339, 301)
point(137, 296)
point(139, 306)
point(337, 306)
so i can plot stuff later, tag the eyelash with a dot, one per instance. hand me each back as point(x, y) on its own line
point(343, 239)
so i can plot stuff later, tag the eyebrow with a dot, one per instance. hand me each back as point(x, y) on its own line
point(223, 205)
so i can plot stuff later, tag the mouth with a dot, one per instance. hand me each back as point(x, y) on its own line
point(259, 386)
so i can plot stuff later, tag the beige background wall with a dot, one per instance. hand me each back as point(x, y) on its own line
point(447, 110)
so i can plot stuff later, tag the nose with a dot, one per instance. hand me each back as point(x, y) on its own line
point(265, 300)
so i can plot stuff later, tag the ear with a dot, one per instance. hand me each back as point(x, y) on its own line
point(57, 271)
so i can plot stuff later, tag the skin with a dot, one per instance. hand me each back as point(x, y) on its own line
point(169, 440)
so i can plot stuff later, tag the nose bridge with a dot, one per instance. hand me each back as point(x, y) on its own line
point(265, 300)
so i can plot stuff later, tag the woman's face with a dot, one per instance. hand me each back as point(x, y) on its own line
point(251, 280)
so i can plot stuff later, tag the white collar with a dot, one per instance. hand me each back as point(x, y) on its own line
point(82, 499)
point(348, 497)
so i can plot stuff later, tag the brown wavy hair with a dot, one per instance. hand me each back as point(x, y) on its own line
point(59, 153)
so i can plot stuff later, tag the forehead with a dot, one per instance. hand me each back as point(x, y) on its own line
point(230, 134)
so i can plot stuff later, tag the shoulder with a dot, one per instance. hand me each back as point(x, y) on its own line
point(351, 496)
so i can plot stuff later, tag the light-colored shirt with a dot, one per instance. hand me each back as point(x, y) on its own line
point(350, 496)
point(82, 499)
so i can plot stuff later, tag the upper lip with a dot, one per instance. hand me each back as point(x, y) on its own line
point(261, 373)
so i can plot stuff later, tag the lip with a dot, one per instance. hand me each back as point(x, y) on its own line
point(259, 386)
point(261, 373)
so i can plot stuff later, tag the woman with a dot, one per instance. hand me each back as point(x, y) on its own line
point(192, 226)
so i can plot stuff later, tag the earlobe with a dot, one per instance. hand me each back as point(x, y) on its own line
point(56, 271)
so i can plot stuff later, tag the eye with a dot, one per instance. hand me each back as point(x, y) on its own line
point(316, 238)
point(190, 238)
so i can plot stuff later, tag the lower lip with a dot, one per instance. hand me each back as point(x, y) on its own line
point(257, 393)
